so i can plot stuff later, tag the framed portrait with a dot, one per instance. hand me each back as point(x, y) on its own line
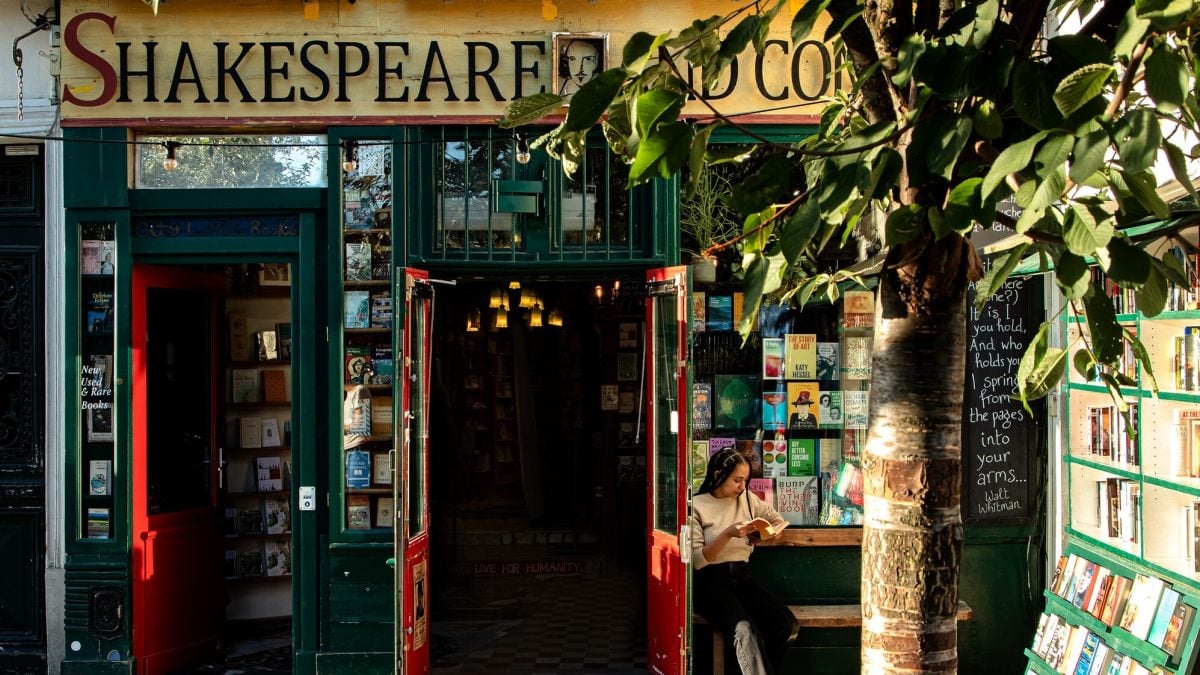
point(274, 274)
point(578, 57)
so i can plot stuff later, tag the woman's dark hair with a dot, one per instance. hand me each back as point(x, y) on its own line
point(720, 466)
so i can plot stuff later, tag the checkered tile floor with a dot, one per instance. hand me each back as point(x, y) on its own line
point(585, 623)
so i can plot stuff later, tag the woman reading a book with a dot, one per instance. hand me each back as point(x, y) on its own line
point(726, 521)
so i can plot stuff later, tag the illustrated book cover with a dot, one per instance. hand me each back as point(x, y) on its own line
point(284, 331)
point(774, 411)
point(243, 385)
point(278, 515)
point(100, 477)
point(829, 409)
point(797, 498)
point(250, 564)
point(270, 433)
point(357, 309)
point(764, 489)
point(828, 361)
point(358, 261)
point(239, 336)
point(98, 519)
point(802, 404)
point(381, 468)
point(358, 512)
point(274, 385)
point(751, 449)
point(270, 474)
point(358, 469)
point(357, 364)
point(251, 521)
point(381, 310)
point(385, 512)
point(857, 407)
point(737, 401)
point(772, 358)
point(719, 315)
point(699, 304)
point(718, 443)
point(701, 406)
point(99, 423)
point(99, 312)
point(277, 557)
point(858, 309)
point(775, 456)
point(856, 358)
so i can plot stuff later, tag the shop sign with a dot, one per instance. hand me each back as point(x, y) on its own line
point(523, 567)
point(190, 62)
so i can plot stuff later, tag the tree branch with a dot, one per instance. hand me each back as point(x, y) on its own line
point(856, 38)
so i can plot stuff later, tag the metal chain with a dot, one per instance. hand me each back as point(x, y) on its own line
point(17, 59)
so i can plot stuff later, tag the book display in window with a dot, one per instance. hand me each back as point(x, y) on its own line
point(97, 485)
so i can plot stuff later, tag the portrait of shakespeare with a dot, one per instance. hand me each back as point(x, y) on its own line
point(579, 59)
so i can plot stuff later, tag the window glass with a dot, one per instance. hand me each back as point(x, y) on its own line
point(595, 211)
point(463, 175)
point(258, 161)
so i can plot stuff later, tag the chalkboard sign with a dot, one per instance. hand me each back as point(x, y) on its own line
point(1001, 441)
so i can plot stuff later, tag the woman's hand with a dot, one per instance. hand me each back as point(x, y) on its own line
point(739, 529)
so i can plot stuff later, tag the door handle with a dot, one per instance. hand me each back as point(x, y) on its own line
point(221, 464)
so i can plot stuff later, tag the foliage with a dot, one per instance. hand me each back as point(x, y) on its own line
point(704, 219)
point(956, 107)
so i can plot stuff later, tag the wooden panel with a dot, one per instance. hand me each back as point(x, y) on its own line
point(359, 637)
point(361, 602)
point(817, 536)
point(356, 663)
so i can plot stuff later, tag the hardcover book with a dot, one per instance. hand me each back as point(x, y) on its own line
point(270, 433)
point(357, 309)
point(266, 344)
point(699, 305)
point(701, 406)
point(381, 415)
point(381, 468)
point(250, 432)
point(358, 512)
point(1177, 631)
point(274, 385)
point(385, 512)
point(858, 309)
point(1162, 616)
point(1141, 605)
point(358, 261)
point(277, 557)
point(828, 363)
point(751, 449)
point(738, 399)
point(772, 358)
point(239, 337)
point(719, 315)
point(278, 515)
point(251, 521)
point(797, 499)
point(800, 356)
point(358, 469)
point(802, 456)
point(244, 385)
point(774, 411)
point(775, 456)
point(829, 409)
point(802, 402)
point(270, 474)
point(856, 358)
point(857, 409)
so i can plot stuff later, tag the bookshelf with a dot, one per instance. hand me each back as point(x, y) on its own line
point(97, 251)
point(368, 363)
point(1132, 492)
point(257, 452)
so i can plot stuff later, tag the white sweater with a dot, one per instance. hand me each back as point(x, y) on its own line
point(711, 515)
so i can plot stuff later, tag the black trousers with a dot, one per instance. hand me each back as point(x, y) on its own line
point(727, 595)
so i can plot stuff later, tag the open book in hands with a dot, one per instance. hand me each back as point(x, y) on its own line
point(763, 529)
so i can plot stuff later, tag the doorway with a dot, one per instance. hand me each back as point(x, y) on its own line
point(538, 482)
point(211, 419)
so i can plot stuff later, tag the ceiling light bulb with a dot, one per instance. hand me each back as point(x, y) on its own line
point(349, 156)
point(171, 162)
point(522, 149)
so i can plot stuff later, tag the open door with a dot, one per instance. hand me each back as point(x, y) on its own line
point(668, 622)
point(410, 485)
point(178, 601)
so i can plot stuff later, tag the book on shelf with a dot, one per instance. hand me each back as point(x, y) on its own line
point(98, 314)
point(277, 557)
point(385, 512)
point(857, 409)
point(357, 309)
point(627, 366)
point(381, 310)
point(274, 386)
point(774, 456)
point(828, 361)
point(239, 336)
point(284, 332)
point(358, 512)
point(802, 403)
point(358, 469)
point(266, 345)
point(100, 477)
point(718, 443)
point(270, 474)
point(774, 411)
point(278, 515)
point(270, 433)
point(250, 563)
point(800, 356)
point(626, 401)
point(719, 312)
point(381, 468)
point(802, 456)
point(383, 368)
point(381, 415)
point(243, 385)
point(698, 462)
point(751, 449)
point(381, 259)
point(627, 335)
point(250, 432)
point(772, 358)
point(97, 256)
point(251, 521)
point(699, 304)
point(737, 400)
point(99, 423)
point(1141, 605)
point(739, 308)
point(1114, 602)
point(230, 523)
point(1175, 638)
point(1162, 616)
point(357, 364)
point(701, 406)
point(98, 519)
point(856, 357)
point(764, 489)
point(797, 498)
point(230, 566)
point(829, 409)
point(858, 309)
point(1082, 584)
point(358, 261)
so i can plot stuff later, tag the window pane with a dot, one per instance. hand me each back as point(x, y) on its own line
point(464, 171)
point(589, 202)
point(666, 404)
point(291, 161)
point(367, 190)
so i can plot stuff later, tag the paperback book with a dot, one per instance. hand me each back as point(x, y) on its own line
point(701, 406)
point(802, 456)
point(358, 512)
point(737, 401)
point(358, 469)
point(278, 515)
point(98, 519)
point(800, 356)
point(270, 474)
point(719, 315)
point(764, 489)
point(829, 409)
point(277, 557)
point(797, 498)
point(775, 456)
point(802, 401)
point(828, 361)
point(772, 358)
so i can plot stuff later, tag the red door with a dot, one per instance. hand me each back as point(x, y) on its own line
point(669, 620)
point(177, 588)
point(411, 484)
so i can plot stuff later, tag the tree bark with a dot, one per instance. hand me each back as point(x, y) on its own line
point(912, 530)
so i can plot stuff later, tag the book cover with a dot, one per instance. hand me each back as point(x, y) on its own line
point(99, 423)
point(358, 469)
point(98, 519)
point(1141, 605)
point(89, 256)
point(1162, 616)
point(95, 383)
point(608, 400)
point(239, 336)
point(699, 304)
point(284, 331)
point(698, 462)
point(797, 499)
point(381, 468)
point(763, 529)
point(251, 521)
point(277, 557)
point(357, 309)
point(266, 344)
point(278, 515)
point(1082, 584)
point(719, 314)
point(1175, 637)
point(856, 358)
point(829, 454)
point(701, 406)
point(775, 456)
point(857, 409)
point(270, 433)
point(828, 363)
point(802, 401)
point(829, 409)
point(1087, 653)
point(751, 449)
point(626, 402)
point(358, 512)
point(772, 358)
point(381, 311)
point(243, 385)
point(802, 456)
point(98, 315)
point(250, 564)
point(1067, 577)
point(270, 474)
point(249, 432)
point(1114, 602)
point(774, 411)
point(274, 385)
point(800, 356)
point(357, 364)
point(358, 261)
point(764, 488)
point(383, 367)
point(381, 415)
point(385, 512)
point(718, 443)
point(858, 309)
point(627, 366)
point(849, 485)
point(627, 335)
point(737, 401)
point(100, 477)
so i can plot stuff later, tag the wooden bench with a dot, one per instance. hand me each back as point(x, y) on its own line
point(813, 616)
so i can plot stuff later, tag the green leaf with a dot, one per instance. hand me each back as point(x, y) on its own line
point(655, 107)
point(1143, 358)
point(762, 277)
point(1013, 159)
point(636, 48)
point(529, 109)
point(1179, 167)
point(994, 278)
point(799, 229)
point(738, 38)
point(1033, 95)
point(1082, 86)
point(1073, 275)
point(886, 173)
point(1166, 77)
point(987, 120)
point(907, 57)
point(766, 186)
point(1050, 189)
point(1084, 364)
point(754, 234)
point(1102, 322)
point(1151, 296)
point(1088, 154)
point(590, 102)
point(1083, 233)
point(696, 166)
point(1133, 28)
point(963, 208)
point(1128, 264)
point(948, 144)
point(618, 130)
point(1137, 136)
point(806, 18)
point(1171, 267)
point(1142, 185)
point(1052, 154)
point(903, 224)
point(662, 153)
point(1040, 369)
point(1164, 13)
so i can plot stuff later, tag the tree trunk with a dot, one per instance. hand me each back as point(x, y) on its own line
point(912, 531)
